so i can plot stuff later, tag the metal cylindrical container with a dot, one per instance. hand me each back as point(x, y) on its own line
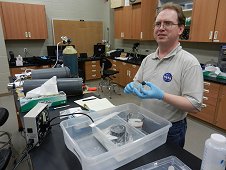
point(70, 86)
point(71, 61)
point(61, 72)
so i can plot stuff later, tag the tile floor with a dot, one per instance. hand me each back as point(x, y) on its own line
point(196, 135)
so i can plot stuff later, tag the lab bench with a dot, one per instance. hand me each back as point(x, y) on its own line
point(53, 154)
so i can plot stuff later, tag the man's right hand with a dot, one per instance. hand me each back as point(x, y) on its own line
point(129, 88)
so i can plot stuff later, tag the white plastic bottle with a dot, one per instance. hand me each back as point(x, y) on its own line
point(19, 61)
point(214, 156)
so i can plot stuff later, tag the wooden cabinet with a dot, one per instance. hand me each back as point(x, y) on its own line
point(221, 113)
point(24, 21)
point(126, 73)
point(92, 70)
point(116, 67)
point(122, 20)
point(211, 91)
point(214, 102)
point(19, 70)
point(135, 21)
point(208, 21)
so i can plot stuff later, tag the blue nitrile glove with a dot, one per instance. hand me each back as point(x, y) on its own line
point(153, 93)
point(129, 88)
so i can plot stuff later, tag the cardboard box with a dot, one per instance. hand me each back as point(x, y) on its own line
point(117, 3)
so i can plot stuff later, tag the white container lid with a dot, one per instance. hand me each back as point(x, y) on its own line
point(218, 138)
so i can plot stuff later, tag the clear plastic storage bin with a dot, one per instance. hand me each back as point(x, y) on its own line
point(113, 141)
point(169, 163)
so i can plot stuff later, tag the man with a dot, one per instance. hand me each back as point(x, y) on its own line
point(173, 77)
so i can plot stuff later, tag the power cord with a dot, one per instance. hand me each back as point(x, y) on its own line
point(25, 153)
point(68, 115)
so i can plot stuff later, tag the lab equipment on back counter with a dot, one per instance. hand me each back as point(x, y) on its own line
point(19, 60)
point(70, 60)
point(222, 58)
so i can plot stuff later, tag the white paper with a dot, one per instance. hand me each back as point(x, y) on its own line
point(96, 104)
point(70, 111)
point(48, 88)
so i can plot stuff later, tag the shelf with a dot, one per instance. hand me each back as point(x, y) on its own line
point(187, 12)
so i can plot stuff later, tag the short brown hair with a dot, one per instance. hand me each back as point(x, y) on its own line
point(175, 7)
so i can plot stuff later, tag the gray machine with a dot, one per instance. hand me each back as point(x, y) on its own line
point(36, 124)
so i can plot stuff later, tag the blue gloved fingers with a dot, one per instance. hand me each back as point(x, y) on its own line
point(151, 91)
point(139, 93)
point(129, 88)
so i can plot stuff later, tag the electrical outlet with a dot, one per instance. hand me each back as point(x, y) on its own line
point(25, 50)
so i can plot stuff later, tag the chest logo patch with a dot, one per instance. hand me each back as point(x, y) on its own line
point(167, 77)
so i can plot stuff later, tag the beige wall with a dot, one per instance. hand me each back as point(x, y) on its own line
point(4, 69)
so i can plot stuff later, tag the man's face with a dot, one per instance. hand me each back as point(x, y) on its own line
point(166, 29)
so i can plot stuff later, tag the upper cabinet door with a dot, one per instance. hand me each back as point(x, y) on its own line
point(220, 27)
point(203, 20)
point(148, 14)
point(118, 21)
point(136, 21)
point(14, 20)
point(126, 22)
point(36, 21)
point(24, 21)
point(122, 20)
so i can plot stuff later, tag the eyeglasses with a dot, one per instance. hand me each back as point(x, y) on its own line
point(165, 24)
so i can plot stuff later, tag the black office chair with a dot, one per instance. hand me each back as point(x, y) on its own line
point(107, 75)
point(5, 145)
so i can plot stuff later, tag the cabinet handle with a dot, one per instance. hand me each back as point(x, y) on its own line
point(94, 62)
point(206, 91)
point(204, 105)
point(215, 35)
point(29, 34)
point(114, 65)
point(206, 83)
point(141, 35)
point(210, 35)
point(26, 35)
point(122, 34)
point(134, 66)
point(205, 98)
point(124, 64)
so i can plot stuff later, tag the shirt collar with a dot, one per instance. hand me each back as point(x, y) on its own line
point(171, 54)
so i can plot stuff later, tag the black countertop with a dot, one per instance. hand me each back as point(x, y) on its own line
point(37, 61)
point(53, 154)
point(215, 80)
